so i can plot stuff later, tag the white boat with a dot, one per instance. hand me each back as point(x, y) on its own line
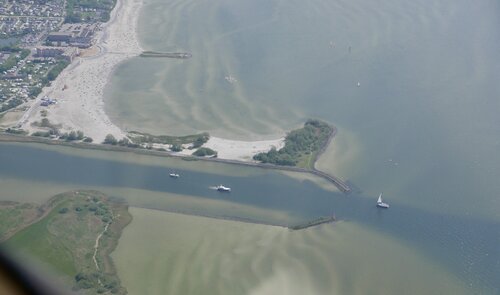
point(174, 175)
point(381, 203)
point(222, 188)
point(359, 84)
point(230, 79)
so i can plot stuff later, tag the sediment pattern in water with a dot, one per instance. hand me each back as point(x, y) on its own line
point(197, 255)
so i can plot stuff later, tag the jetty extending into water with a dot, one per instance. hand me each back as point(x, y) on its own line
point(179, 55)
point(314, 222)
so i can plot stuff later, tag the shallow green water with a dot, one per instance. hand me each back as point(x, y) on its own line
point(196, 255)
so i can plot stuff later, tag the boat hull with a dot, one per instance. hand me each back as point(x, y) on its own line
point(383, 205)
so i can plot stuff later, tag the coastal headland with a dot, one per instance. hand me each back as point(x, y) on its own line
point(79, 113)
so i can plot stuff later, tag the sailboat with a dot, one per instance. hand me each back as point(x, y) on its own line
point(381, 203)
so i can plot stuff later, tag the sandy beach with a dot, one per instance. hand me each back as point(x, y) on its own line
point(79, 89)
point(237, 149)
point(242, 150)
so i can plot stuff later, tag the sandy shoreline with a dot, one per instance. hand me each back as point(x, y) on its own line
point(79, 89)
point(242, 150)
point(238, 150)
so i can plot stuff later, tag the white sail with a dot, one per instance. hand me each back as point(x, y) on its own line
point(381, 203)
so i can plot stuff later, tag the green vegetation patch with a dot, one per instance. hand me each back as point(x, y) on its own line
point(37, 241)
point(88, 10)
point(45, 123)
point(205, 152)
point(301, 146)
point(110, 139)
point(57, 69)
point(196, 140)
point(14, 216)
point(72, 136)
point(53, 131)
point(12, 103)
point(17, 54)
point(65, 238)
point(17, 131)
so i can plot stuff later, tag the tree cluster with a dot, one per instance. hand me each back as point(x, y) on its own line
point(176, 147)
point(110, 139)
point(104, 7)
point(306, 140)
point(200, 141)
point(15, 131)
point(276, 157)
point(11, 104)
point(203, 152)
point(88, 280)
point(13, 58)
point(72, 136)
point(56, 70)
point(197, 139)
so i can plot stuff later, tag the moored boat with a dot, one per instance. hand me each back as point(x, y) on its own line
point(222, 188)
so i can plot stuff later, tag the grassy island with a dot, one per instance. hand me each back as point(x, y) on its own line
point(74, 233)
point(302, 146)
